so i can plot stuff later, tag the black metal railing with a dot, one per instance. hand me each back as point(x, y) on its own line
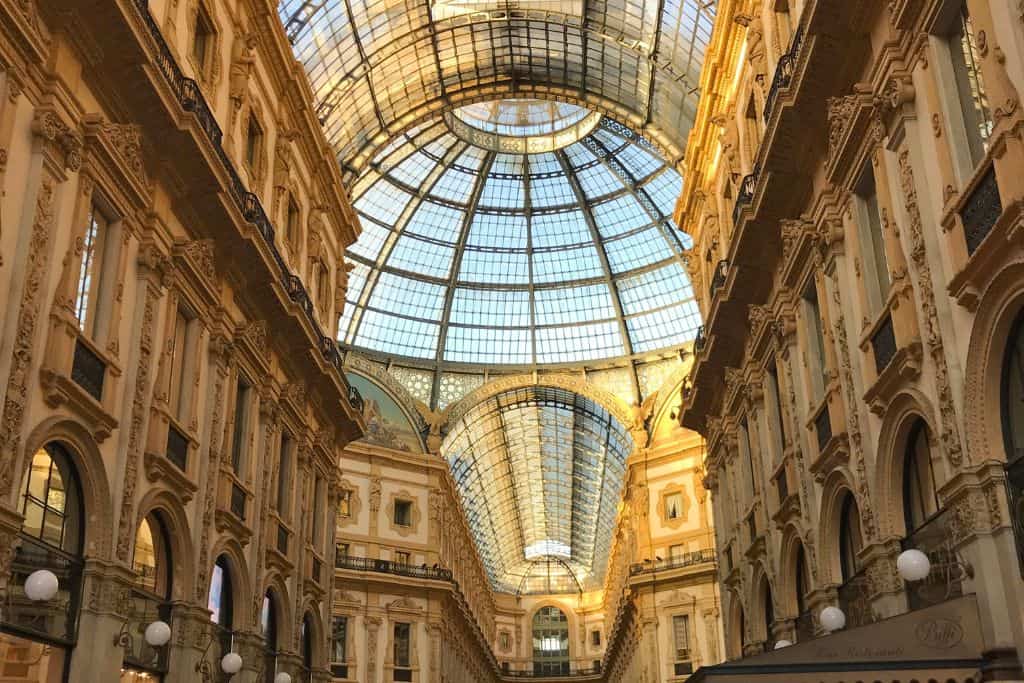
point(823, 428)
point(945, 581)
point(551, 673)
point(855, 601)
point(883, 343)
point(339, 670)
point(237, 501)
point(702, 339)
point(981, 211)
point(784, 71)
point(369, 564)
point(88, 370)
point(719, 277)
point(177, 448)
point(746, 194)
point(53, 621)
point(144, 608)
point(703, 556)
point(191, 99)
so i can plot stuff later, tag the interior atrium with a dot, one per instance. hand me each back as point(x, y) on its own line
point(472, 341)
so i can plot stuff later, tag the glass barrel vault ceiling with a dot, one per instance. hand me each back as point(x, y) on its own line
point(540, 473)
point(378, 67)
point(472, 256)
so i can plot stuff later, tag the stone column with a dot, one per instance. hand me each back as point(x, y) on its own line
point(190, 625)
point(106, 591)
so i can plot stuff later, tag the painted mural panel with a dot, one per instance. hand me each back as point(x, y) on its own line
point(386, 423)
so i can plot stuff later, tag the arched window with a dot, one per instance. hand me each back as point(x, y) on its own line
point(221, 604)
point(307, 648)
point(802, 587)
point(850, 541)
point(550, 642)
point(769, 615)
point(151, 557)
point(52, 502)
point(1013, 392)
point(919, 500)
point(268, 629)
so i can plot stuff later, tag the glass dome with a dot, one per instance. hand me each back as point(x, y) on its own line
point(473, 256)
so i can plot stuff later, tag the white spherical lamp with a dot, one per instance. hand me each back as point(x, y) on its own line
point(158, 633)
point(779, 644)
point(282, 677)
point(41, 585)
point(832, 619)
point(913, 565)
point(231, 663)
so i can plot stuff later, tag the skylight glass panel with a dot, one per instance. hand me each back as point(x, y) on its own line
point(398, 336)
point(419, 256)
point(664, 189)
point(383, 202)
point(548, 191)
point(408, 297)
point(636, 250)
point(665, 327)
point(491, 307)
point(371, 240)
point(597, 181)
point(504, 192)
point(436, 221)
point(654, 289)
point(565, 265)
point(414, 169)
point(559, 229)
point(494, 267)
point(579, 342)
point(579, 155)
point(454, 185)
point(619, 215)
point(638, 162)
point(571, 305)
point(498, 231)
point(488, 345)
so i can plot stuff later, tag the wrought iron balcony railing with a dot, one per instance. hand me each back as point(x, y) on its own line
point(823, 428)
point(88, 370)
point(883, 343)
point(784, 71)
point(191, 100)
point(981, 211)
point(719, 277)
point(746, 194)
point(369, 564)
point(702, 339)
point(703, 556)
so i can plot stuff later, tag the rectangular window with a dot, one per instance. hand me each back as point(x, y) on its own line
point(970, 85)
point(775, 408)
point(402, 642)
point(815, 341)
point(318, 512)
point(673, 505)
point(402, 558)
point(339, 635)
point(292, 223)
point(253, 141)
point(202, 38)
point(241, 428)
point(676, 552)
point(181, 344)
point(872, 242)
point(345, 503)
point(748, 457)
point(505, 641)
point(681, 636)
point(93, 276)
point(595, 638)
point(341, 550)
point(403, 513)
point(284, 474)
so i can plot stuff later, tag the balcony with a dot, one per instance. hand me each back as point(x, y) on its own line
point(746, 195)
point(701, 341)
point(369, 564)
point(703, 556)
point(823, 428)
point(784, 72)
point(88, 370)
point(177, 448)
point(560, 673)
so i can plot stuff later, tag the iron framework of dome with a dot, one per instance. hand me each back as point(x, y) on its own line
point(381, 67)
point(475, 257)
point(540, 472)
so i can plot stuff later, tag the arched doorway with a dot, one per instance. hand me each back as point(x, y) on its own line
point(1012, 409)
point(41, 635)
point(550, 642)
point(306, 648)
point(270, 633)
point(221, 604)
